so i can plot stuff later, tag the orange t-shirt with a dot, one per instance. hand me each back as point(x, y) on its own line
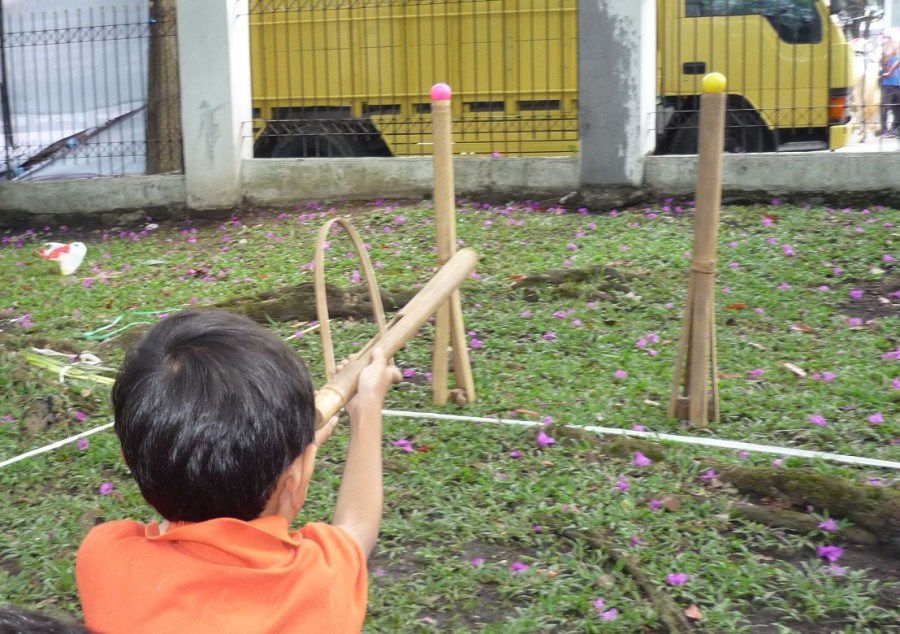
point(222, 576)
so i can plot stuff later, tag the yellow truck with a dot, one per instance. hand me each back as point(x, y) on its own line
point(789, 70)
point(340, 78)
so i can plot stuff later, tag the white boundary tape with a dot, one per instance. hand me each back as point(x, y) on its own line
point(687, 440)
point(612, 431)
point(55, 445)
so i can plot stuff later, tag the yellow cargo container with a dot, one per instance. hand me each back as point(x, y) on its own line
point(351, 78)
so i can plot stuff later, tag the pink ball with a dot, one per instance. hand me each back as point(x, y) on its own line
point(441, 92)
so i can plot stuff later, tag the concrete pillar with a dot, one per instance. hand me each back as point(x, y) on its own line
point(214, 67)
point(617, 89)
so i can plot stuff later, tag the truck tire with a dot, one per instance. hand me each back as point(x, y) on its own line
point(744, 133)
point(316, 146)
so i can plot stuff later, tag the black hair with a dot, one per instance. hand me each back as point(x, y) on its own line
point(19, 620)
point(210, 408)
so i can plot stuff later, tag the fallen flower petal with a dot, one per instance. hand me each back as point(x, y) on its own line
point(828, 525)
point(106, 488)
point(610, 614)
point(831, 553)
point(544, 440)
point(404, 444)
point(518, 566)
point(640, 460)
point(676, 579)
point(693, 613)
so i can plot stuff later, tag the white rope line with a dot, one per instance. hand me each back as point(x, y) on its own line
point(612, 431)
point(55, 445)
point(687, 440)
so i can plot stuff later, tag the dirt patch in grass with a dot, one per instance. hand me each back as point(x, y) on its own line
point(879, 299)
point(873, 560)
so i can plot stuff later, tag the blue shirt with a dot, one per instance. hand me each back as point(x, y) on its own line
point(894, 78)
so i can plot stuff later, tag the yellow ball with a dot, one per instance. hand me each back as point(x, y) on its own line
point(714, 82)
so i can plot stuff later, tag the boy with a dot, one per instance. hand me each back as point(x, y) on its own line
point(216, 420)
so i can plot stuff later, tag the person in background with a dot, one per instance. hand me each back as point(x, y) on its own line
point(890, 90)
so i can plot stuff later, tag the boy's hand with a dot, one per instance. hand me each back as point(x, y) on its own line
point(324, 432)
point(374, 381)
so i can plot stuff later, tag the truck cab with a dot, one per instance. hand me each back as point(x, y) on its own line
point(788, 65)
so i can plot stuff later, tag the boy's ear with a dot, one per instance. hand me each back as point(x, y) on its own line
point(294, 483)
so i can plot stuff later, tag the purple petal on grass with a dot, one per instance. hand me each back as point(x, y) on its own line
point(756, 373)
point(877, 418)
point(638, 428)
point(640, 460)
point(476, 343)
point(544, 440)
point(818, 419)
point(106, 488)
point(743, 455)
point(518, 566)
point(547, 420)
point(515, 455)
point(478, 561)
point(83, 444)
point(710, 474)
point(610, 615)
point(676, 579)
point(549, 336)
point(599, 605)
point(856, 294)
point(620, 374)
point(654, 504)
point(829, 525)
point(80, 416)
point(409, 373)
point(836, 571)
point(831, 553)
point(403, 444)
point(622, 484)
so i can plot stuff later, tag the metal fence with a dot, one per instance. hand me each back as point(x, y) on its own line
point(352, 77)
point(88, 89)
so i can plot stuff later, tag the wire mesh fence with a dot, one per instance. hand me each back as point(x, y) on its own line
point(88, 89)
point(352, 77)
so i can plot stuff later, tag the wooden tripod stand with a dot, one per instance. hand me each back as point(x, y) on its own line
point(696, 362)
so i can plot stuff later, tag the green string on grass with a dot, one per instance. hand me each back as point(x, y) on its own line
point(103, 333)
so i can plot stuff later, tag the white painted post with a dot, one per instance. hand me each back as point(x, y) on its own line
point(617, 89)
point(214, 67)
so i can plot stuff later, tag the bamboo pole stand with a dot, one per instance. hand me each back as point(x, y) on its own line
point(450, 333)
point(695, 365)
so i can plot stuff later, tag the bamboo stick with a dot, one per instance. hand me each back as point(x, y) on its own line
point(449, 327)
point(698, 336)
point(341, 387)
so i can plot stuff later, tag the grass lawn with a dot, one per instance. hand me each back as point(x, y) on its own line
point(505, 528)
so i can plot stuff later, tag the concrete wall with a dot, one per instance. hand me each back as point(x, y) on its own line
point(826, 174)
point(286, 181)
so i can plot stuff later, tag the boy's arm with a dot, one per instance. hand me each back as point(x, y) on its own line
point(359, 502)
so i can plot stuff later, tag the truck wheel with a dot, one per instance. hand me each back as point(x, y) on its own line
point(744, 133)
point(316, 146)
